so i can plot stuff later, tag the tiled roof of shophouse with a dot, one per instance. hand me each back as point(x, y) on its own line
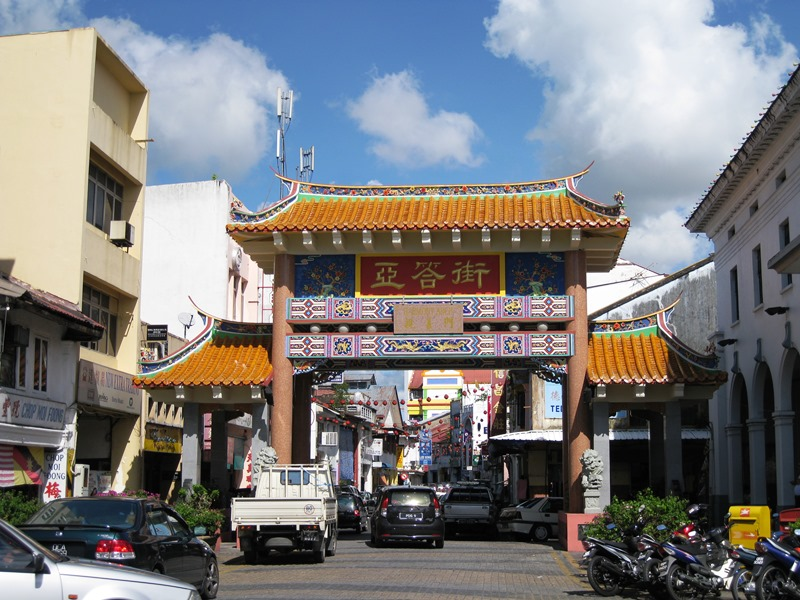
point(645, 351)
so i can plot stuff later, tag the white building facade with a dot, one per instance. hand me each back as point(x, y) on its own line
point(752, 216)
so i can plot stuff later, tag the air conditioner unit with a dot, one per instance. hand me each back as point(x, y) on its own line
point(121, 234)
point(18, 336)
point(352, 409)
point(330, 438)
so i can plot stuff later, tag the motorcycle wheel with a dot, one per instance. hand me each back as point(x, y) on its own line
point(677, 586)
point(770, 584)
point(741, 579)
point(603, 581)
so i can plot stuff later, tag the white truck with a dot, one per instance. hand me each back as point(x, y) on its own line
point(293, 508)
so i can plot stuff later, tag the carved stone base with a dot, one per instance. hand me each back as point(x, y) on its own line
point(591, 502)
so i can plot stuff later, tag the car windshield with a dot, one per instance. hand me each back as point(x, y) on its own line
point(346, 502)
point(96, 512)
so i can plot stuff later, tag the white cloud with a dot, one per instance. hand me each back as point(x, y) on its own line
point(660, 239)
point(407, 132)
point(654, 92)
point(210, 99)
point(23, 16)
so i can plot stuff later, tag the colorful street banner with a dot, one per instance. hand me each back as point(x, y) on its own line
point(21, 466)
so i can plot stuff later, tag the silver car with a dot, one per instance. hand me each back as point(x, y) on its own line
point(30, 571)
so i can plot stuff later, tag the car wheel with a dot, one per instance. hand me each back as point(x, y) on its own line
point(211, 580)
point(540, 533)
point(438, 543)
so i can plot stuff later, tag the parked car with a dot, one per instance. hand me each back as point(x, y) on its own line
point(138, 532)
point(407, 513)
point(351, 512)
point(535, 519)
point(31, 571)
point(469, 507)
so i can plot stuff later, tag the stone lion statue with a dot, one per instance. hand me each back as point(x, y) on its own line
point(267, 456)
point(592, 477)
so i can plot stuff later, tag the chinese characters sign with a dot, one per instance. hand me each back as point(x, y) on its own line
point(420, 275)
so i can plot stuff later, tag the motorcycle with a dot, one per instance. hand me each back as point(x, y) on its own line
point(777, 568)
point(743, 586)
point(612, 566)
point(696, 569)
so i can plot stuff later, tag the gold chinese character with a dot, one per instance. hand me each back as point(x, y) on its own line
point(386, 275)
point(427, 275)
point(469, 273)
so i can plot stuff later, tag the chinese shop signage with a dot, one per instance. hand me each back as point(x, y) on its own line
point(429, 275)
point(428, 318)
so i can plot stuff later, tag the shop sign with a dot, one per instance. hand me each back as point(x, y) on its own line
point(32, 412)
point(160, 438)
point(108, 388)
point(56, 475)
point(418, 275)
point(440, 318)
point(157, 333)
point(553, 400)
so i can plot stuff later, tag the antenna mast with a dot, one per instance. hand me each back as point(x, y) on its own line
point(306, 167)
point(284, 105)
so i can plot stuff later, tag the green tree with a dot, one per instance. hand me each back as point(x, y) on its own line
point(195, 506)
point(16, 507)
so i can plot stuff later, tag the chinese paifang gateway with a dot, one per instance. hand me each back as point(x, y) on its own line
point(513, 256)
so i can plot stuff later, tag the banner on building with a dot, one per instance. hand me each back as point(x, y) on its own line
point(20, 465)
point(57, 478)
point(552, 400)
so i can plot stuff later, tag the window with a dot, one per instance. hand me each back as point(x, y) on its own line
point(758, 283)
point(103, 309)
point(104, 199)
point(731, 232)
point(13, 363)
point(753, 208)
point(784, 239)
point(780, 179)
point(734, 282)
point(40, 364)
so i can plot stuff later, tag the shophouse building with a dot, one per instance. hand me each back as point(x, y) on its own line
point(74, 125)
point(751, 213)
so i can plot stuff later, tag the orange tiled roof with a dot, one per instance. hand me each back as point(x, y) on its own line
point(225, 353)
point(552, 203)
point(644, 351)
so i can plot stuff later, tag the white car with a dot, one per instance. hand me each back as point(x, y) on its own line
point(30, 571)
point(535, 519)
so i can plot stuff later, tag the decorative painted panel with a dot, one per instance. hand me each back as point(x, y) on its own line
point(369, 346)
point(317, 276)
point(521, 308)
point(535, 274)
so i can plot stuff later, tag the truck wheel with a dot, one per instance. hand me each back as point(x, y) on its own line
point(251, 557)
point(331, 549)
point(540, 532)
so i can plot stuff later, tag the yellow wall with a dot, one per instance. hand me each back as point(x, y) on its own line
point(67, 99)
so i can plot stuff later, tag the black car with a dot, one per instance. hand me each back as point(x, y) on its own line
point(351, 513)
point(138, 532)
point(407, 513)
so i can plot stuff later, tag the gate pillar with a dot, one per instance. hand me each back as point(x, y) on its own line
point(576, 421)
point(282, 368)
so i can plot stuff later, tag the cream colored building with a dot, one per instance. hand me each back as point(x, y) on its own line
point(73, 140)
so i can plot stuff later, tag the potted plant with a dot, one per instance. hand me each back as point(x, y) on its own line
point(195, 506)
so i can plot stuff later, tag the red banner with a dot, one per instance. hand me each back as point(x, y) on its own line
point(429, 275)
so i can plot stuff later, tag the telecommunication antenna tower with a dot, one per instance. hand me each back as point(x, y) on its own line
point(306, 168)
point(285, 102)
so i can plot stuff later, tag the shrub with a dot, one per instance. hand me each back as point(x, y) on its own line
point(16, 507)
point(131, 494)
point(669, 511)
point(195, 506)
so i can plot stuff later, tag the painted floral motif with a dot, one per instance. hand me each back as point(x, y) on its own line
point(324, 276)
point(532, 274)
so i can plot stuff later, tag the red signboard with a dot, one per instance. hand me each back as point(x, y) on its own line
point(429, 275)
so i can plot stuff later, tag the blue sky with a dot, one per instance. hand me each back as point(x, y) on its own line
point(659, 95)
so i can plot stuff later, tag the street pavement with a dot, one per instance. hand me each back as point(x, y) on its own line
point(467, 567)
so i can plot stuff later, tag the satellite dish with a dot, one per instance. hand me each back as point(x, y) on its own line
point(186, 319)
